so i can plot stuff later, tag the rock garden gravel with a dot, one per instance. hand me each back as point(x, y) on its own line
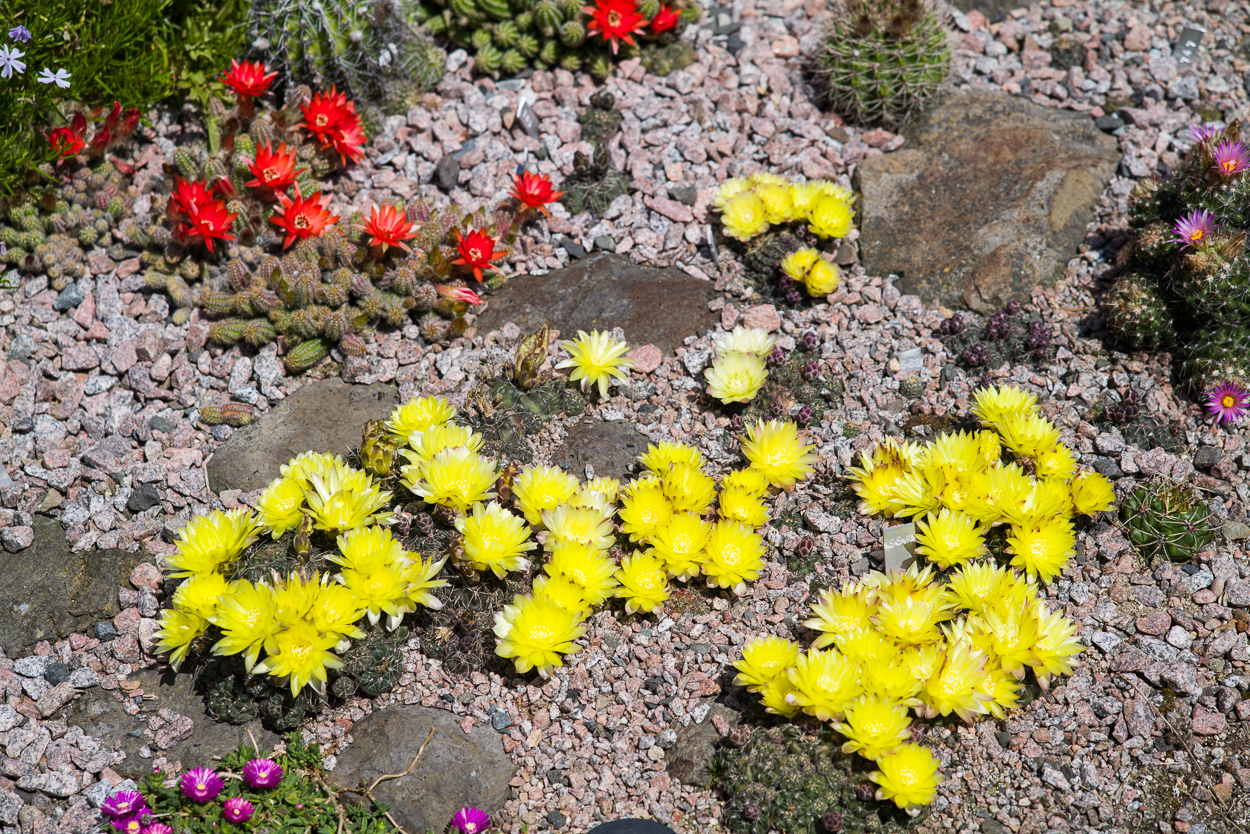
point(100, 394)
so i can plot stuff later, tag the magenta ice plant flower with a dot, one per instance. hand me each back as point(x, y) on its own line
point(1194, 228)
point(20, 33)
point(201, 784)
point(471, 820)
point(157, 828)
point(262, 773)
point(123, 804)
point(1228, 403)
point(1230, 158)
point(237, 809)
point(129, 825)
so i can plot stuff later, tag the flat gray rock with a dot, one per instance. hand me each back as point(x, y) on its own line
point(652, 306)
point(610, 448)
point(689, 759)
point(988, 199)
point(324, 416)
point(103, 715)
point(456, 770)
point(48, 592)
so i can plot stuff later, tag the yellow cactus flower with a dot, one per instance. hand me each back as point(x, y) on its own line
point(948, 539)
point(775, 450)
point(211, 541)
point(911, 621)
point(744, 216)
point(422, 578)
point(1056, 645)
point(455, 478)
point(383, 590)
point(1044, 550)
point(643, 583)
point(778, 206)
point(345, 503)
point(954, 687)
point(736, 377)
point(199, 594)
point(301, 655)
point(583, 525)
point(536, 633)
point(336, 611)
point(587, 567)
point(1029, 436)
point(797, 263)
point(281, 506)
point(830, 216)
point(596, 360)
point(563, 592)
point(873, 727)
point(742, 506)
point(998, 404)
point(540, 488)
point(1001, 691)
point(821, 279)
point(418, 415)
point(775, 697)
point(840, 612)
point(679, 543)
point(609, 488)
point(660, 456)
point(246, 617)
point(644, 510)
point(893, 682)
point(803, 196)
point(1092, 493)
point(908, 777)
point(179, 629)
point(294, 597)
point(733, 556)
point(687, 488)
point(1058, 462)
point(764, 660)
point(755, 341)
point(425, 445)
point(973, 585)
point(750, 481)
point(495, 539)
point(305, 464)
point(1007, 639)
point(824, 683)
point(729, 189)
point(866, 646)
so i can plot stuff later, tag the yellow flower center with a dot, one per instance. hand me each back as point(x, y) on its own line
point(270, 173)
point(475, 254)
point(648, 580)
point(301, 222)
point(322, 120)
point(540, 633)
point(731, 554)
point(951, 540)
point(614, 19)
point(739, 382)
point(1039, 548)
point(1196, 235)
point(1228, 401)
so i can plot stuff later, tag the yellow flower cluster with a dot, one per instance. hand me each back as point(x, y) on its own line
point(809, 268)
point(748, 206)
point(739, 370)
point(900, 645)
point(961, 486)
point(596, 360)
point(300, 621)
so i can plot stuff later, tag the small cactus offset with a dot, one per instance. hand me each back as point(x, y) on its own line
point(882, 58)
point(1185, 279)
point(508, 35)
point(304, 355)
point(230, 414)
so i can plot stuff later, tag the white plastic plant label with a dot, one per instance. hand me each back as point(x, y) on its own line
point(900, 546)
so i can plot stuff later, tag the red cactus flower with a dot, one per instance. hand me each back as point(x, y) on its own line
point(248, 79)
point(388, 227)
point(666, 18)
point(210, 221)
point(477, 250)
point(463, 294)
point(188, 197)
point(326, 112)
point(273, 170)
point(130, 121)
point(78, 124)
point(65, 142)
point(102, 139)
point(616, 20)
point(303, 217)
point(534, 191)
point(347, 140)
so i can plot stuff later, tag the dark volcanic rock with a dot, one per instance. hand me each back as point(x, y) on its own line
point(989, 198)
point(324, 416)
point(611, 448)
point(48, 592)
point(454, 771)
point(689, 759)
point(631, 826)
point(602, 291)
point(103, 715)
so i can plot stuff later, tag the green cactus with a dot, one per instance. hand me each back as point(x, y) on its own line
point(1137, 315)
point(227, 332)
point(1168, 519)
point(230, 414)
point(304, 355)
point(882, 58)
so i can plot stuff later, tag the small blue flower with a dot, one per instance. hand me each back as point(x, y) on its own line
point(60, 78)
point(19, 33)
point(9, 63)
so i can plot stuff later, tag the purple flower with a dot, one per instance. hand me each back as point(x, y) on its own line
point(237, 809)
point(1194, 228)
point(262, 773)
point(157, 828)
point(19, 33)
point(1228, 402)
point(1230, 158)
point(132, 824)
point(1202, 133)
point(471, 820)
point(201, 784)
point(124, 804)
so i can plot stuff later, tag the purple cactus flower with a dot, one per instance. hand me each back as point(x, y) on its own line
point(158, 828)
point(262, 773)
point(201, 784)
point(1203, 133)
point(124, 804)
point(1231, 158)
point(1228, 403)
point(1194, 228)
point(471, 820)
point(237, 809)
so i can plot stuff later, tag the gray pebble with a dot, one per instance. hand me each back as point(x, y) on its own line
point(500, 720)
